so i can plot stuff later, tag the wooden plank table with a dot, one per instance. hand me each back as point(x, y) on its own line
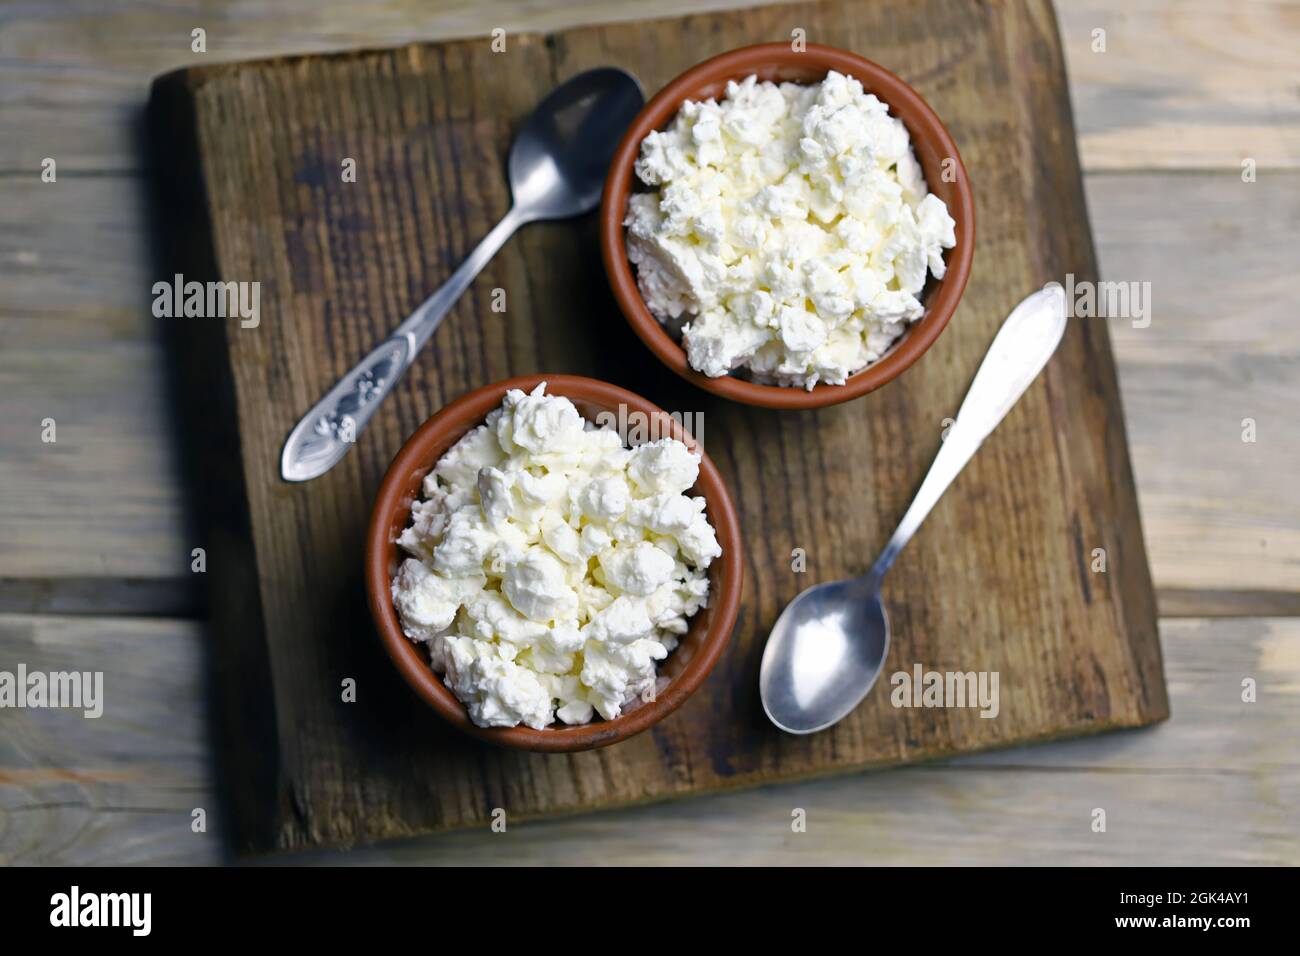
point(95, 545)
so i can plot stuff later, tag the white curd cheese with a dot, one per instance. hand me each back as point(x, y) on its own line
point(790, 232)
point(551, 568)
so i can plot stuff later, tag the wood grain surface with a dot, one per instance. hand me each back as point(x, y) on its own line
point(122, 787)
point(1004, 561)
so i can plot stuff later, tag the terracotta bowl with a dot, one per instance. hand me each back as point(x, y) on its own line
point(686, 667)
point(778, 63)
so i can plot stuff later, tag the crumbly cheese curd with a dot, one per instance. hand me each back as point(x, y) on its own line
point(790, 232)
point(550, 567)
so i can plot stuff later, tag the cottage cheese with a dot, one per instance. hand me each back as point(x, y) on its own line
point(551, 568)
point(791, 231)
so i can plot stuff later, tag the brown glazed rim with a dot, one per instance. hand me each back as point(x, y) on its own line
point(401, 486)
point(778, 62)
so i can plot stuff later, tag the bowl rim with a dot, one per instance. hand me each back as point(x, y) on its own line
point(417, 457)
point(920, 120)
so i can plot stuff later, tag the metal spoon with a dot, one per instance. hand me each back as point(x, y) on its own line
point(557, 168)
point(828, 646)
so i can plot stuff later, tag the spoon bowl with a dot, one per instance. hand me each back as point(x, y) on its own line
point(825, 653)
point(561, 154)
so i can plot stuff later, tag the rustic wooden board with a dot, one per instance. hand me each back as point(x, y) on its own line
point(998, 580)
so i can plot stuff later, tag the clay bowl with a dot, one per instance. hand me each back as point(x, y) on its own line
point(777, 62)
point(686, 667)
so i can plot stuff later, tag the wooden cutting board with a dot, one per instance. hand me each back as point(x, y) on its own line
point(1000, 578)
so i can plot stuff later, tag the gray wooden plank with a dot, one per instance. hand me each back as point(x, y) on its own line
point(185, 597)
point(79, 346)
point(1184, 84)
point(121, 789)
point(104, 498)
point(1222, 347)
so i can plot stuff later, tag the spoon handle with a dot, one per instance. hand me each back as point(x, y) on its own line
point(320, 440)
point(1019, 351)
